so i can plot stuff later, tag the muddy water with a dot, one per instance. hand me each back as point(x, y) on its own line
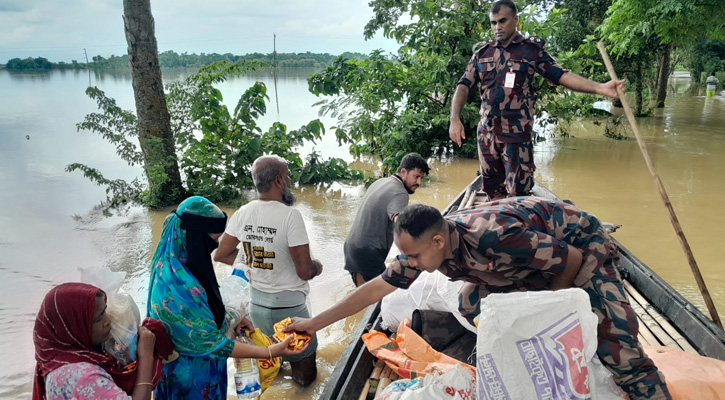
point(686, 143)
point(50, 228)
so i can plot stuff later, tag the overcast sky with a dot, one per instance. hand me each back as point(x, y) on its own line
point(60, 29)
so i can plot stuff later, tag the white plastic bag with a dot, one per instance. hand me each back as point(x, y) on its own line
point(430, 291)
point(235, 296)
point(125, 319)
point(124, 313)
point(103, 278)
point(540, 345)
point(454, 384)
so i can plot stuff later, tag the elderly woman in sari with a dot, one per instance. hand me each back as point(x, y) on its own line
point(70, 328)
point(184, 296)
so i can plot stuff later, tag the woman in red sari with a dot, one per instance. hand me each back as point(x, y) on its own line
point(70, 327)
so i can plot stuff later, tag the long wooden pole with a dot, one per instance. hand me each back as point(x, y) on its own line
point(663, 194)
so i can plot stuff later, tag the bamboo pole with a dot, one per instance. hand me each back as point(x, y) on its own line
point(365, 390)
point(663, 194)
point(472, 199)
point(466, 195)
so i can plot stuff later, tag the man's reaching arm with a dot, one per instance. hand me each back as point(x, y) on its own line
point(367, 294)
point(577, 83)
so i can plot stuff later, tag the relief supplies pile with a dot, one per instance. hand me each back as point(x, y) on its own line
point(540, 345)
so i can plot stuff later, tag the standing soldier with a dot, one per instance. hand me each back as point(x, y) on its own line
point(504, 68)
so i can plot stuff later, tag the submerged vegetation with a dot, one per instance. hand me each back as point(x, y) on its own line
point(215, 145)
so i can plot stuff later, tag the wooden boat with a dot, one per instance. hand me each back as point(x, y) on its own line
point(665, 317)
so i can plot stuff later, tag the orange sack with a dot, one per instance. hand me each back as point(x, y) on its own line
point(409, 355)
point(689, 376)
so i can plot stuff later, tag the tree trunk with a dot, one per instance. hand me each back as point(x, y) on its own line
point(638, 88)
point(154, 125)
point(663, 76)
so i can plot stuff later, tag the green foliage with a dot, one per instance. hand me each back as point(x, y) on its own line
point(171, 59)
point(705, 56)
point(215, 147)
point(390, 105)
point(118, 191)
point(114, 124)
point(317, 170)
point(28, 63)
point(614, 129)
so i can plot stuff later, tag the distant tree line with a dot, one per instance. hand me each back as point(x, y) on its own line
point(172, 59)
point(41, 63)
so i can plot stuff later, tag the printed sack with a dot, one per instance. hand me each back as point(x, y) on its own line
point(540, 345)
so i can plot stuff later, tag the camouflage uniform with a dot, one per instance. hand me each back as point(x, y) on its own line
point(520, 244)
point(505, 149)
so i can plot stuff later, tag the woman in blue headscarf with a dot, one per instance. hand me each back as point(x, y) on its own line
point(184, 296)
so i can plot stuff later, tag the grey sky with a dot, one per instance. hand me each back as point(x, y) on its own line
point(60, 29)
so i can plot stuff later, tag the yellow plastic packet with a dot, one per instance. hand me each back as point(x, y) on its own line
point(268, 369)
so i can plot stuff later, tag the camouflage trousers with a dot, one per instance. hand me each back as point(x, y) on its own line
point(507, 169)
point(618, 348)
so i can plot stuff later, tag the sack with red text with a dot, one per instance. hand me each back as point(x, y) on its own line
point(540, 345)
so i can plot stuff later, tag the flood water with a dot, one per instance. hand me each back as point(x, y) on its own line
point(50, 227)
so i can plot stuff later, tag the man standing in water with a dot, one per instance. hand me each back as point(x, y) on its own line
point(277, 250)
point(516, 244)
point(371, 235)
point(504, 68)
point(712, 83)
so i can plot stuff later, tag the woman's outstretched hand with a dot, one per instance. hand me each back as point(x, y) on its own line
point(281, 349)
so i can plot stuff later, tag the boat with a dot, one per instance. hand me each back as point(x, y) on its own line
point(665, 317)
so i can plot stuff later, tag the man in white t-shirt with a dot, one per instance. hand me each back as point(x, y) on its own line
point(712, 83)
point(275, 247)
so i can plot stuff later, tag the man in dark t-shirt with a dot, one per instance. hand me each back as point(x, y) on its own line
point(371, 235)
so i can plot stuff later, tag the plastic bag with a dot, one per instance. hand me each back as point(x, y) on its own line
point(235, 296)
point(430, 291)
point(540, 345)
point(454, 384)
point(124, 313)
point(408, 354)
point(689, 376)
point(103, 278)
point(268, 369)
point(125, 319)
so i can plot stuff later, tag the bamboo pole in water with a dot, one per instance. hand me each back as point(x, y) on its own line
point(663, 194)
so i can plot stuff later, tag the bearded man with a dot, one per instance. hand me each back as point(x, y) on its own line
point(277, 250)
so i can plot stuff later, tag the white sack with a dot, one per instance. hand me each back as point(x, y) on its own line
point(540, 345)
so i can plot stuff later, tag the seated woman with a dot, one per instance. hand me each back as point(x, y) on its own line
point(70, 327)
point(184, 295)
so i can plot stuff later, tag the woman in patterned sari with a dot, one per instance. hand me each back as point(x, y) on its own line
point(184, 296)
point(70, 328)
